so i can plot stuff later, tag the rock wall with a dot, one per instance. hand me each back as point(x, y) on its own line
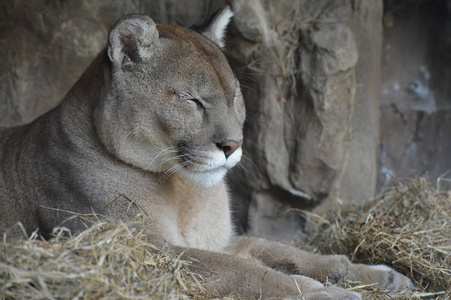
point(312, 92)
point(310, 74)
point(416, 91)
point(46, 45)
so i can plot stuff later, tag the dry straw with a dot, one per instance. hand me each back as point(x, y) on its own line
point(408, 227)
point(107, 261)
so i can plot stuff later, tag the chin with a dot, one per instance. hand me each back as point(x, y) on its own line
point(205, 179)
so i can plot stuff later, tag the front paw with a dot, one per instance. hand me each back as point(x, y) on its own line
point(390, 279)
point(331, 293)
point(310, 289)
point(338, 268)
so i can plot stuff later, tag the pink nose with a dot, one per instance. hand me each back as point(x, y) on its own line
point(229, 146)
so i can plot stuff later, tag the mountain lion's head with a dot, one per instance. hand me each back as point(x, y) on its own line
point(172, 102)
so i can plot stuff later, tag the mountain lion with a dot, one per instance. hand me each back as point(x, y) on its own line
point(152, 127)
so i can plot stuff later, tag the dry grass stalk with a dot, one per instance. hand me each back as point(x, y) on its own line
point(108, 261)
point(408, 227)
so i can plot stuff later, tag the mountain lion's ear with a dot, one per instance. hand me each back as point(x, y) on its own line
point(132, 39)
point(214, 26)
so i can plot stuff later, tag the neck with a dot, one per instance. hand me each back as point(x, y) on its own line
point(77, 108)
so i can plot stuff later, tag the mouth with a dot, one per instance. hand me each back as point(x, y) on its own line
point(206, 168)
point(198, 161)
point(206, 178)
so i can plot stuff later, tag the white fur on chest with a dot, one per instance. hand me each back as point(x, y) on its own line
point(198, 218)
point(211, 234)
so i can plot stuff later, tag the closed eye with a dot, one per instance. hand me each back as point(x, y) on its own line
point(190, 99)
point(198, 103)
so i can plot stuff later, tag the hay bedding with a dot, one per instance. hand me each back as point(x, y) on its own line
point(407, 227)
point(108, 261)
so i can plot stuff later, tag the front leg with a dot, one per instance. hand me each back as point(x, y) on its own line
point(227, 275)
point(333, 268)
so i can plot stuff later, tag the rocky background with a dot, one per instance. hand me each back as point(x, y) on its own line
point(341, 96)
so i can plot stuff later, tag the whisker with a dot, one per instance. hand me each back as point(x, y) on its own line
point(168, 159)
point(250, 75)
point(254, 63)
point(161, 152)
point(248, 88)
point(172, 170)
point(157, 146)
point(175, 157)
point(167, 173)
point(171, 158)
point(249, 160)
point(247, 78)
point(241, 167)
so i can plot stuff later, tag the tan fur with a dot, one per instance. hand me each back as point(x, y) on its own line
point(130, 138)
